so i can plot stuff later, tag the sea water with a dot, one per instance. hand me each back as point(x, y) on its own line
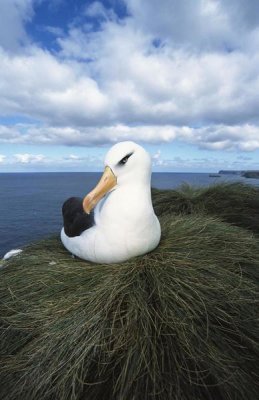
point(30, 203)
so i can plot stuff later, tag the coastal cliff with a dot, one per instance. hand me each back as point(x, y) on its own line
point(251, 174)
point(246, 174)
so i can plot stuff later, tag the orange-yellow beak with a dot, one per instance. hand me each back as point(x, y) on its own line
point(106, 183)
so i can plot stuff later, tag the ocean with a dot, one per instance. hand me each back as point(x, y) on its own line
point(30, 203)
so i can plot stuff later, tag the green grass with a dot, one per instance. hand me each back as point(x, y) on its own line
point(234, 203)
point(178, 323)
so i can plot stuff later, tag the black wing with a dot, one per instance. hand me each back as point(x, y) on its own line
point(75, 219)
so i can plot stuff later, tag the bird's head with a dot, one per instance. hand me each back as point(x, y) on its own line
point(126, 163)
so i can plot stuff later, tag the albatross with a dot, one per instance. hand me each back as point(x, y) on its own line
point(116, 220)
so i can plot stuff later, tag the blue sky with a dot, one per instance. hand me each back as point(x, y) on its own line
point(179, 77)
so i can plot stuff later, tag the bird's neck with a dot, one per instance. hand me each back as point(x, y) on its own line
point(137, 191)
point(130, 202)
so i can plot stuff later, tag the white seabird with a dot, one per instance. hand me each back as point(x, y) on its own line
point(124, 224)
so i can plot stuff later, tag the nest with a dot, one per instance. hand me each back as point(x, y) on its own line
point(178, 323)
point(234, 203)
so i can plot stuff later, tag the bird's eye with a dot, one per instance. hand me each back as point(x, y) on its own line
point(125, 159)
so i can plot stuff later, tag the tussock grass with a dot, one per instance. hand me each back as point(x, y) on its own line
point(235, 203)
point(179, 323)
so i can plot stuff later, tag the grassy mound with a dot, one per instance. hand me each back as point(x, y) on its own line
point(178, 323)
point(235, 203)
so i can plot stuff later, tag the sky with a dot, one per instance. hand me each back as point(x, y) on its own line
point(180, 77)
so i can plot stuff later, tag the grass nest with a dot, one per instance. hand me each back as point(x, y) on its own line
point(178, 323)
point(235, 203)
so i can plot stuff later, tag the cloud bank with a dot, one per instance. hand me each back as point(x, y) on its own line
point(189, 74)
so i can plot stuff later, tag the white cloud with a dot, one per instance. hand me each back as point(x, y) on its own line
point(187, 23)
point(29, 158)
point(157, 155)
point(142, 78)
point(201, 25)
point(73, 157)
point(163, 87)
point(244, 14)
point(215, 137)
point(158, 160)
point(220, 137)
point(32, 162)
point(44, 162)
point(13, 14)
point(86, 136)
point(54, 30)
point(97, 9)
point(39, 85)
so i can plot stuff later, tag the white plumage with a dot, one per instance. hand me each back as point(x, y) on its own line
point(125, 222)
point(12, 253)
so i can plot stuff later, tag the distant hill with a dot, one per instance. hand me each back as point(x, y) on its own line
point(246, 174)
point(251, 174)
point(231, 172)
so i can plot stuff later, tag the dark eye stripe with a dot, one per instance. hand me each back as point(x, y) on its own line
point(125, 159)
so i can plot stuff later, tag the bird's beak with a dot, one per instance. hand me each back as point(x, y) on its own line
point(105, 184)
